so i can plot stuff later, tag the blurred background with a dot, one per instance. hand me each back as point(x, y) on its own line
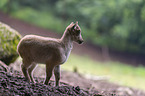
point(113, 30)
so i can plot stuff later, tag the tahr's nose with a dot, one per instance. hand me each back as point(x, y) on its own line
point(81, 41)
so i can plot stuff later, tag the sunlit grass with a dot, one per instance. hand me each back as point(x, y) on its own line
point(119, 73)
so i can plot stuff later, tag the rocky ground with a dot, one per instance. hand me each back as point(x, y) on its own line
point(13, 83)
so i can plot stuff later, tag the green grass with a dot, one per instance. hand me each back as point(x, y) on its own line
point(119, 73)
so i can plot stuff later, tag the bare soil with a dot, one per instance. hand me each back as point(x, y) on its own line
point(12, 85)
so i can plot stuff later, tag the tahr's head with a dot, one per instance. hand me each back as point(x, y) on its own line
point(75, 32)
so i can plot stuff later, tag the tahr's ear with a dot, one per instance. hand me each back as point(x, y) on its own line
point(72, 23)
point(73, 27)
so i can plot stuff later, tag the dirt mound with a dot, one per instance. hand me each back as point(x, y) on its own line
point(13, 84)
point(18, 85)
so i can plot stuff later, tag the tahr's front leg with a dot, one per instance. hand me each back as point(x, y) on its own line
point(57, 75)
point(49, 70)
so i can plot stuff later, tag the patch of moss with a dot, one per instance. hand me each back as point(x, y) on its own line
point(9, 38)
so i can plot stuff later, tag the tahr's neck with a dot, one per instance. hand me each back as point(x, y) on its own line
point(67, 40)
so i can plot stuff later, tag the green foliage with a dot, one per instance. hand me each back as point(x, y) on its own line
point(114, 22)
point(2, 3)
point(8, 43)
point(117, 72)
point(117, 24)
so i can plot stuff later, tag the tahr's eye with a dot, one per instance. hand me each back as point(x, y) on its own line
point(77, 32)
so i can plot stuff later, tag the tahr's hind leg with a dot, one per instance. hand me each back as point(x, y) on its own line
point(25, 65)
point(30, 71)
point(57, 75)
